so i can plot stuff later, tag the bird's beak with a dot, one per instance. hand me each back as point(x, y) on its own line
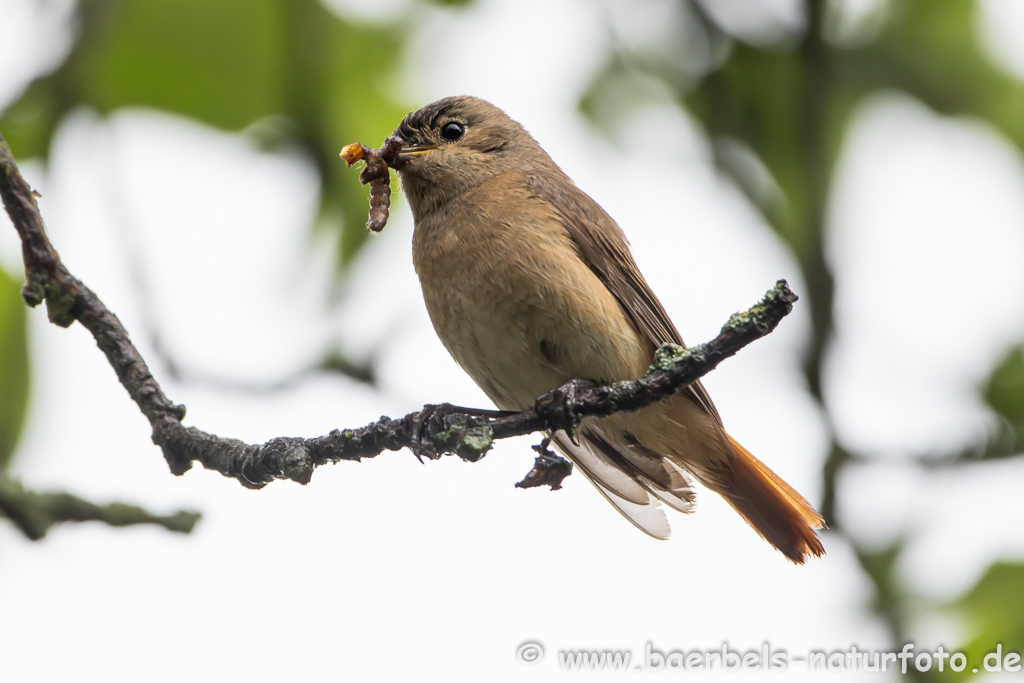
point(409, 153)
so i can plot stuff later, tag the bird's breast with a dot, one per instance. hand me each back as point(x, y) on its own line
point(512, 301)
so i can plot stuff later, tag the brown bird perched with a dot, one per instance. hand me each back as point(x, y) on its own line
point(529, 283)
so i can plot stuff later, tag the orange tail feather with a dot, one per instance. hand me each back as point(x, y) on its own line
point(775, 511)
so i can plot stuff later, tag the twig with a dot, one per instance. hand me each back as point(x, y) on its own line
point(34, 513)
point(464, 433)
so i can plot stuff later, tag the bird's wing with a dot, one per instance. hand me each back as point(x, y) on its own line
point(602, 246)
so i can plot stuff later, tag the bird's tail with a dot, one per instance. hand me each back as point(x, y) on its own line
point(638, 460)
point(769, 505)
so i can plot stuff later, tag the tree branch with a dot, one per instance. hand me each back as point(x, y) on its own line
point(34, 512)
point(435, 431)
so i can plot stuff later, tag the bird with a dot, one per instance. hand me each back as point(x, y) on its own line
point(529, 283)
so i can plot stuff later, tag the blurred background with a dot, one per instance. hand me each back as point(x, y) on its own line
point(869, 151)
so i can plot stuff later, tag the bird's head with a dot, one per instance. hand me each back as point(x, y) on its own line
point(455, 144)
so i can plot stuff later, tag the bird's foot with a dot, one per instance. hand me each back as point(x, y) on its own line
point(432, 420)
point(558, 407)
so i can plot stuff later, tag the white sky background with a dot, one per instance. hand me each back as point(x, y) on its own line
point(389, 570)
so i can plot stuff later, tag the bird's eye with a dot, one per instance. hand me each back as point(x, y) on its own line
point(452, 131)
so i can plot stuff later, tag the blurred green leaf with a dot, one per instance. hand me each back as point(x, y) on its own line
point(28, 124)
point(931, 49)
point(616, 91)
point(879, 568)
point(289, 71)
point(994, 608)
point(765, 99)
point(1004, 391)
point(217, 61)
point(14, 377)
point(791, 104)
point(340, 76)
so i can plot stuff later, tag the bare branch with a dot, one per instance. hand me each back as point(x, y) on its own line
point(35, 513)
point(466, 433)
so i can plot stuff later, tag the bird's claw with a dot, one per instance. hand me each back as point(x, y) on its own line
point(558, 407)
point(422, 424)
point(431, 420)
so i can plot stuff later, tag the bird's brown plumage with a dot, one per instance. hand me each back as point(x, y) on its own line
point(529, 283)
